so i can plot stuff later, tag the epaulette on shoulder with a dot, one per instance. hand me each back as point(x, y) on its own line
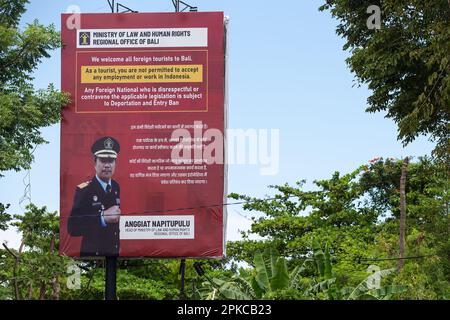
point(83, 185)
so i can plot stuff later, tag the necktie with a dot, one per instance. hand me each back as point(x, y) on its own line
point(108, 188)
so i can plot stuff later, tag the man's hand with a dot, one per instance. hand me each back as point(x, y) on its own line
point(112, 215)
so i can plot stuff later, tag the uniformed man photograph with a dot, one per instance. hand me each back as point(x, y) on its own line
point(96, 211)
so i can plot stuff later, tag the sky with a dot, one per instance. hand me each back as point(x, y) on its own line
point(287, 71)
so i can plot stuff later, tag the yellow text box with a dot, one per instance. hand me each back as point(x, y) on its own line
point(142, 74)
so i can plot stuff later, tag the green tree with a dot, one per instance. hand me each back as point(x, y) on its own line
point(336, 213)
point(357, 214)
point(129, 286)
point(405, 64)
point(269, 278)
point(4, 217)
point(36, 271)
point(33, 271)
point(24, 110)
point(428, 223)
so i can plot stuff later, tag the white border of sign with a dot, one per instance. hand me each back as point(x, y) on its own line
point(138, 38)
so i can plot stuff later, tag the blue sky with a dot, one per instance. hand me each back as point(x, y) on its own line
point(287, 71)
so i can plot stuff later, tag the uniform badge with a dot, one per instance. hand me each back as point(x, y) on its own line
point(109, 144)
point(95, 198)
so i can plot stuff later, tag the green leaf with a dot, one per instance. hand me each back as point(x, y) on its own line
point(261, 277)
point(259, 292)
point(327, 263)
point(280, 275)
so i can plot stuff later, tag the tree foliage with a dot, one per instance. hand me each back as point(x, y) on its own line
point(24, 110)
point(4, 217)
point(317, 244)
point(32, 271)
point(36, 271)
point(405, 63)
point(270, 279)
point(357, 214)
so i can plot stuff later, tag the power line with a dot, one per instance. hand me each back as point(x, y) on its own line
point(27, 190)
point(194, 208)
point(242, 215)
point(399, 258)
point(27, 183)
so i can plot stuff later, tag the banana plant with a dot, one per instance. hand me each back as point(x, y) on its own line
point(270, 274)
point(324, 282)
point(365, 290)
point(270, 277)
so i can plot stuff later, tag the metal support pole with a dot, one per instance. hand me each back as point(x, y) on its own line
point(111, 278)
point(177, 3)
point(111, 5)
point(182, 271)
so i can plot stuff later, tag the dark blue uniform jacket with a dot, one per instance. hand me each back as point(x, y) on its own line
point(85, 219)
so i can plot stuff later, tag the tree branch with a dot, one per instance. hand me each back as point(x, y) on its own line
point(402, 212)
point(16, 262)
point(10, 252)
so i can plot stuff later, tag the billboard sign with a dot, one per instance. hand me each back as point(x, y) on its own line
point(142, 170)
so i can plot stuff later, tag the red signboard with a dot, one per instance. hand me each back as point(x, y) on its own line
point(142, 170)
